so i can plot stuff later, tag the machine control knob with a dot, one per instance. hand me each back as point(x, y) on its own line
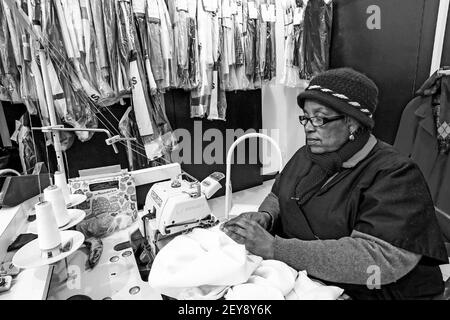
point(175, 183)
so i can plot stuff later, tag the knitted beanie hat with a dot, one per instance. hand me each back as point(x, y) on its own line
point(346, 91)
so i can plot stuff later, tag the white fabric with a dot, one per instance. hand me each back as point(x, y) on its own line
point(207, 265)
point(200, 265)
point(274, 280)
point(253, 291)
point(278, 274)
point(307, 289)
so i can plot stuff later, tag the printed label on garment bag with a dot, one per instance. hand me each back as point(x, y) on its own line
point(298, 16)
point(252, 11)
point(234, 7)
point(226, 10)
point(268, 13)
point(210, 5)
point(213, 111)
point(139, 6)
point(153, 10)
point(288, 16)
point(182, 5)
point(239, 15)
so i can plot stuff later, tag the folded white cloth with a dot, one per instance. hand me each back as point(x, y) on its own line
point(201, 265)
point(207, 265)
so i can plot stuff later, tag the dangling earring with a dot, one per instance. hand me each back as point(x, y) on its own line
point(352, 136)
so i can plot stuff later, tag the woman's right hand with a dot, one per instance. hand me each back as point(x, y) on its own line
point(262, 218)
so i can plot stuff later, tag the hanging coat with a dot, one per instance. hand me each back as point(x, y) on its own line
point(417, 138)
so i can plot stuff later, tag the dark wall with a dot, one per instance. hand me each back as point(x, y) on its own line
point(243, 112)
point(397, 56)
point(13, 112)
point(95, 153)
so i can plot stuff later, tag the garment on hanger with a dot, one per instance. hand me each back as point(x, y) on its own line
point(193, 46)
point(109, 14)
point(318, 25)
point(208, 39)
point(270, 59)
point(9, 78)
point(421, 136)
point(181, 28)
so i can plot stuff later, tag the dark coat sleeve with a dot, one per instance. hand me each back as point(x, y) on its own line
point(409, 123)
point(397, 208)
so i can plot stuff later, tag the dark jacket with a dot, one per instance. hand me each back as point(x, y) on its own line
point(416, 138)
point(384, 196)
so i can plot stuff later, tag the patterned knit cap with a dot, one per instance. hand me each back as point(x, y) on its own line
point(346, 91)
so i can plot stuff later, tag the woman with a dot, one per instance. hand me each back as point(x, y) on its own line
point(347, 208)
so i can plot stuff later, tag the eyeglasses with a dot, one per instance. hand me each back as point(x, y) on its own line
point(318, 121)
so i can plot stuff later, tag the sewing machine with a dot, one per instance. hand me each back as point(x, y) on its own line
point(178, 206)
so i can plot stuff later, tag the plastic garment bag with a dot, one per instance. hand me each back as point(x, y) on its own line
point(318, 23)
point(9, 80)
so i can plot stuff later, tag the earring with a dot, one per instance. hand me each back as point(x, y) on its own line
point(352, 137)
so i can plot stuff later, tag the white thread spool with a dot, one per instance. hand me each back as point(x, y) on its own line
point(61, 182)
point(54, 195)
point(49, 237)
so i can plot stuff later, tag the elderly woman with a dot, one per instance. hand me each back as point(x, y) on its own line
point(348, 208)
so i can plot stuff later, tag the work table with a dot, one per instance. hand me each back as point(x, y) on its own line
point(116, 276)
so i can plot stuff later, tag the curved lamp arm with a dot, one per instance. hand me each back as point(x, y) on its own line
point(229, 156)
point(6, 171)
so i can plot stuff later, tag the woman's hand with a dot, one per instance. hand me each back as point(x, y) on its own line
point(262, 218)
point(251, 233)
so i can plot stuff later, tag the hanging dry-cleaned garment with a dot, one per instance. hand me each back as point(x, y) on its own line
point(251, 52)
point(208, 35)
point(318, 24)
point(294, 51)
point(193, 54)
point(155, 43)
point(10, 78)
point(140, 91)
point(67, 84)
point(110, 18)
point(166, 44)
point(179, 11)
point(270, 59)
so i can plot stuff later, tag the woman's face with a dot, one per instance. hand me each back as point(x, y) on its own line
point(331, 136)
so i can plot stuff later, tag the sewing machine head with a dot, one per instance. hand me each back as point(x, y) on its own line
point(178, 206)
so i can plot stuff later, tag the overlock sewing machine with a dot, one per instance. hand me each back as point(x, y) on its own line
point(178, 206)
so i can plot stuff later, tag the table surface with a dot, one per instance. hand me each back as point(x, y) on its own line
point(116, 279)
point(109, 279)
